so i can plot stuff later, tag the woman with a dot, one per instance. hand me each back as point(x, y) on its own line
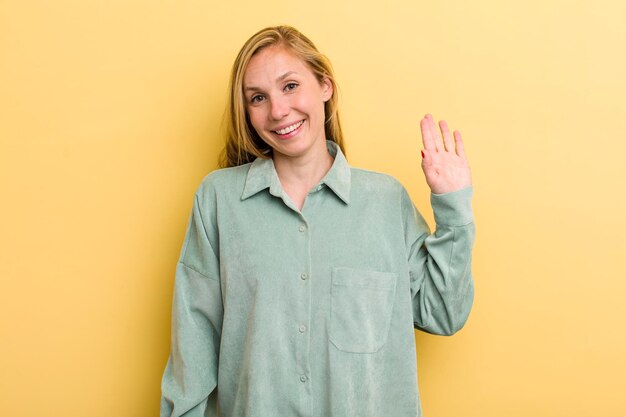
point(301, 279)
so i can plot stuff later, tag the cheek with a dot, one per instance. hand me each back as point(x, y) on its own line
point(317, 109)
point(255, 118)
point(310, 103)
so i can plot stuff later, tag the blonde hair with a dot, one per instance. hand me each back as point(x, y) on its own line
point(243, 144)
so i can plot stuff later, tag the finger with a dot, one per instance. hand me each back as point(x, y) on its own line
point(427, 138)
point(460, 148)
point(448, 140)
point(434, 132)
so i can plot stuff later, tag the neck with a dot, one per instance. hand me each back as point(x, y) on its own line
point(305, 172)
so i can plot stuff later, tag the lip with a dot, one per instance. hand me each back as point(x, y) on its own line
point(290, 134)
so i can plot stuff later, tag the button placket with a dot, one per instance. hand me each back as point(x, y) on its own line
point(302, 317)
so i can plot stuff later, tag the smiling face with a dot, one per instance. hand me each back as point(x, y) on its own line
point(285, 103)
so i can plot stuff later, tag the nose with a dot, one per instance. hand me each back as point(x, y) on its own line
point(279, 108)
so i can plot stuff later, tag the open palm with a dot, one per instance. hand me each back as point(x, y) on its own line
point(444, 163)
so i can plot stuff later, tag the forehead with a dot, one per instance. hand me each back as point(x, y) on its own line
point(271, 63)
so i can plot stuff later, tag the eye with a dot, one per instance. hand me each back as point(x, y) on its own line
point(257, 98)
point(290, 86)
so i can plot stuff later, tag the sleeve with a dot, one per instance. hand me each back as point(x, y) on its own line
point(440, 264)
point(189, 384)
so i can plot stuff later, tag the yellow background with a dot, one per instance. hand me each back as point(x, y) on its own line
point(109, 119)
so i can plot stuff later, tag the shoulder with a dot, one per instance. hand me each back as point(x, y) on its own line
point(381, 184)
point(227, 181)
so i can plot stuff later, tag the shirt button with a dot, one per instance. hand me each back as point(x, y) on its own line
point(302, 228)
point(302, 328)
point(304, 276)
point(302, 378)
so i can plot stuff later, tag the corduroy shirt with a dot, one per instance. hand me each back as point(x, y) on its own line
point(280, 312)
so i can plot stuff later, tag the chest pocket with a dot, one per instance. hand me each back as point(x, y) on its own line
point(361, 306)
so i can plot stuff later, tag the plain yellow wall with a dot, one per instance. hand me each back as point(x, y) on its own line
point(109, 119)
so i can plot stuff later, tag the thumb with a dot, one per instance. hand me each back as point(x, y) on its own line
point(425, 157)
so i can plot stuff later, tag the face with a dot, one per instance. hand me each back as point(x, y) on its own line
point(285, 103)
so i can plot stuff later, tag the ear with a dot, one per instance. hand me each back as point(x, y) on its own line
point(327, 89)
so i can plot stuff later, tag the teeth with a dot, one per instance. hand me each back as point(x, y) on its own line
point(289, 128)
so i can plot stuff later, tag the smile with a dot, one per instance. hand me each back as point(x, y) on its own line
point(289, 129)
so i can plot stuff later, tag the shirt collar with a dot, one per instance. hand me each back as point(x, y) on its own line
point(262, 174)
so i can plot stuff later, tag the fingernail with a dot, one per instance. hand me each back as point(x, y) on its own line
point(422, 154)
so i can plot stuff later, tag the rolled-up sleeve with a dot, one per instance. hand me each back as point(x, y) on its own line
point(440, 264)
point(189, 383)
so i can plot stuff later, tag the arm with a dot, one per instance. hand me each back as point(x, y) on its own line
point(189, 382)
point(440, 264)
point(441, 269)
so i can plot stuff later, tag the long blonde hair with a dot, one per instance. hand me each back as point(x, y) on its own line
point(243, 144)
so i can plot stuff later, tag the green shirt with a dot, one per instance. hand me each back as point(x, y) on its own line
point(279, 312)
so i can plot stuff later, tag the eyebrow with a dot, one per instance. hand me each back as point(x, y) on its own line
point(279, 79)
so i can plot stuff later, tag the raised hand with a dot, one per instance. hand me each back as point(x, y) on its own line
point(443, 159)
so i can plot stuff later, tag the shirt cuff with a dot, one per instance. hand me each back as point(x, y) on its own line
point(453, 208)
